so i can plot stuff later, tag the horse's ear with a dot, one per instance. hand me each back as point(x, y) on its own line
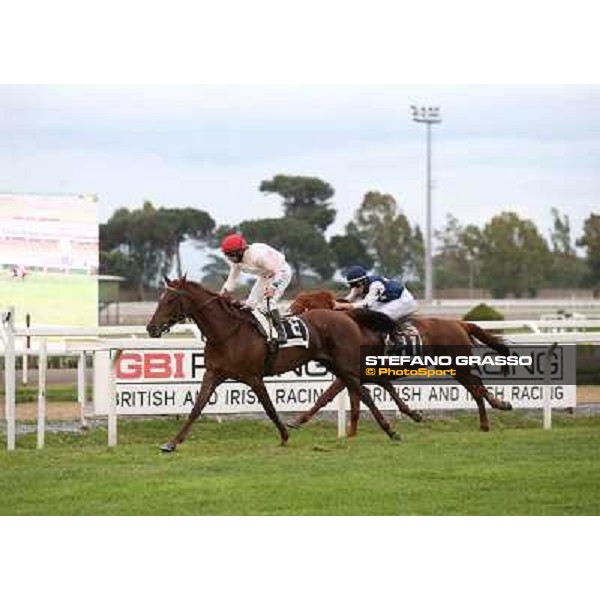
point(169, 284)
point(184, 278)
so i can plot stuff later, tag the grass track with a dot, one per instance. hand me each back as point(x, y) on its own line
point(445, 466)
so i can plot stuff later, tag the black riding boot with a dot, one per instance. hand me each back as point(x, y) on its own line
point(278, 323)
point(393, 346)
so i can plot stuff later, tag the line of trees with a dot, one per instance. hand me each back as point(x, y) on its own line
point(143, 244)
point(510, 256)
point(507, 256)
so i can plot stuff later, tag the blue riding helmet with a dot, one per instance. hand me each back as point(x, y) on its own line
point(355, 275)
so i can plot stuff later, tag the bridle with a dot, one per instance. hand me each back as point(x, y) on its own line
point(204, 304)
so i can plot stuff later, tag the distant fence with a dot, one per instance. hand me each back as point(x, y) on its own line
point(532, 308)
point(134, 374)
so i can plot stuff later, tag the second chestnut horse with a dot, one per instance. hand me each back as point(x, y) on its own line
point(434, 332)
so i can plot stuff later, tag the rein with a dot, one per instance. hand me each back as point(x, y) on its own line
point(207, 302)
point(234, 329)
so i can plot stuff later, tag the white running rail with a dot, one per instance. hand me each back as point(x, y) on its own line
point(58, 340)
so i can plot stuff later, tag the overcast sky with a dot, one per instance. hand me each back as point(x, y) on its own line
point(522, 148)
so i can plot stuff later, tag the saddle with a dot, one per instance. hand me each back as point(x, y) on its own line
point(295, 329)
point(296, 335)
point(405, 340)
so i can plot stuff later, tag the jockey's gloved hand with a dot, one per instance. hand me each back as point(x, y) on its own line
point(342, 306)
point(241, 304)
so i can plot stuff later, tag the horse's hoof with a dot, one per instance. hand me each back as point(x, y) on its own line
point(417, 417)
point(507, 406)
point(292, 425)
point(484, 428)
point(395, 437)
point(168, 447)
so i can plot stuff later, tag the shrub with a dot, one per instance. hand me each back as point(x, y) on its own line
point(483, 312)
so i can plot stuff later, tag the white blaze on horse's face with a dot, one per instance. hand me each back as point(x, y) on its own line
point(169, 312)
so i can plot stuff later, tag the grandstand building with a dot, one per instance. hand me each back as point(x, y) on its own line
point(49, 232)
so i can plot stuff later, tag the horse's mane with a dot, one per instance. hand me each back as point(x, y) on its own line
point(371, 319)
point(319, 299)
point(228, 305)
point(364, 317)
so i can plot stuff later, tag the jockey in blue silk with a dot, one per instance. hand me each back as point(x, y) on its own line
point(389, 296)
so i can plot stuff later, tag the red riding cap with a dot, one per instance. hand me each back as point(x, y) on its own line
point(233, 242)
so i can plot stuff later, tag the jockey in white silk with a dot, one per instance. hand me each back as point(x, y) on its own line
point(268, 265)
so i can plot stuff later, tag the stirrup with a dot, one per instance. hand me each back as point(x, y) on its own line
point(392, 344)
point(281, 334)
point(390, 349)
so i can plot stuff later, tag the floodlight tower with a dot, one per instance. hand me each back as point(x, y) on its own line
point(430, 115)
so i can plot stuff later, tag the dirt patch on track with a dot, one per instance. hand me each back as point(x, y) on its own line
point(588, 394)
point(55, 411)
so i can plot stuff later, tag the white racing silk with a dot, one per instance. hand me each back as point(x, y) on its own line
point(268, 265)
point(376, 290)
point(395, 309)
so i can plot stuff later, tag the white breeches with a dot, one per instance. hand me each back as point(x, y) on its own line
point(256, 298)
point(396, 309)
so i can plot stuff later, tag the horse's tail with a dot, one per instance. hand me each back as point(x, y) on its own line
point(489, 339)
point(373, 320)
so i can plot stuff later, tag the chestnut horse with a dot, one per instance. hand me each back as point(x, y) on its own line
point(235, 349)
point(434, 332)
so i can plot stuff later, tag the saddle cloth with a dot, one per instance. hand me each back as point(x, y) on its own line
point(406, 339)
point(295, 328)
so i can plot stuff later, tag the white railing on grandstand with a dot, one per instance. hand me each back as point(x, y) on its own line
point(55, 340)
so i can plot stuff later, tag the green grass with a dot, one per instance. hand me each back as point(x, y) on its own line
point(444, 466)
point(54, 393)
point(51, 298)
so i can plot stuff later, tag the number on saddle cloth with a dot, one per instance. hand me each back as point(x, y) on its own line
point(297, 332)
point(295, 328)
point(407, 340)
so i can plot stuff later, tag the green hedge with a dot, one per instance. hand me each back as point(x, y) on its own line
point(483, 312)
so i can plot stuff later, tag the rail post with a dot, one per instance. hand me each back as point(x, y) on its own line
point(81, 392)
point(10, 386)
point(41, 407)
point(342, 401)
point(112, 400)
point(26, 353)
point(548, 388)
